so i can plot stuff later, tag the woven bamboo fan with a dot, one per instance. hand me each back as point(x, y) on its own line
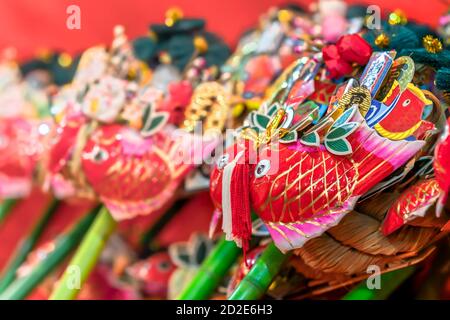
point(341, 257)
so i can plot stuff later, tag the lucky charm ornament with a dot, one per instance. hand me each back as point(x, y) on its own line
point(302, 187)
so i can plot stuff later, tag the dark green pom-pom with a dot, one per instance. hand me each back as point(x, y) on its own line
point(421, 30)
point(443, 79)
point(144, 48)
point(63, 75)
point(422, 56)
point(218, 52)
point(400, 37)
point(32, 65)
point(181, 26)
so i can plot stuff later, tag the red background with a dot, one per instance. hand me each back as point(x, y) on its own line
point(30, 24)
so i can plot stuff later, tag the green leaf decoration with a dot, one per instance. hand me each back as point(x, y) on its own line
point(257, 129)
point(251, 118)
point(147, 114)
point(201, 250)
point(290, 137)
point(338, 147)
point(342, 131)
point(273, 108)
point(179, 253)
point(262, 121)
point(311, 139)
point(348, 114)
point(154, 124)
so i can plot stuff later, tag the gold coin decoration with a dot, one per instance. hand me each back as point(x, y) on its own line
point(359, 96)
point(208, 106)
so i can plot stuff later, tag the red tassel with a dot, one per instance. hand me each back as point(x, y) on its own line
point(240, 205)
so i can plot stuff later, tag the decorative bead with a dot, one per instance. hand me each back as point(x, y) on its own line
point(200, 44)
point(398, 17)
point(165, 58)
point(285, 16)
point(172, 16)
point(65, 60)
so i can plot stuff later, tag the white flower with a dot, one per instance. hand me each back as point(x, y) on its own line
point(105, 99)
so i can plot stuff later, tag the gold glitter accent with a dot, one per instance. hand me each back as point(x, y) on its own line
point(172, 16)
point(274, 123)
point(382, 40)
point(209, 105)
point(432, 44)
point(398, 17)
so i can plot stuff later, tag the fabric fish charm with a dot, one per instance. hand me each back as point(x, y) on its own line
point(406, 115)
point(134, 175)
point(133, 172)
point(417, 199)
point(153, 274)
point(414, 202)
point(300, 188)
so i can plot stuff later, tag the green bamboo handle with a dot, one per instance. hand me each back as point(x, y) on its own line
point(258, 279)
point(389, 282)
point(27, 245)
point(86, 256)
point(21, 287)
point(211, 272)
point(6, 207)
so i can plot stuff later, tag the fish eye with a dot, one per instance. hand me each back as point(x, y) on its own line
point(406, 102)
point(262, 168)
point(100, 155)
point(223, 161)
point(163, 266)
point(97, 154)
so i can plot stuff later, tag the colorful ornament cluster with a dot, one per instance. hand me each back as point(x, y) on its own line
point(327, 118)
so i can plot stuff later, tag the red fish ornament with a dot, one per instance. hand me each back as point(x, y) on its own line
point(133, 171)
point(414, 202)
point(417, 199)
point(301, 187)
point(154, 274)
point(406, 115)
point(134, 175)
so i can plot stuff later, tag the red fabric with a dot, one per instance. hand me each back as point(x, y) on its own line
point(349, 49)
point(29, 25)
point(240, 204)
